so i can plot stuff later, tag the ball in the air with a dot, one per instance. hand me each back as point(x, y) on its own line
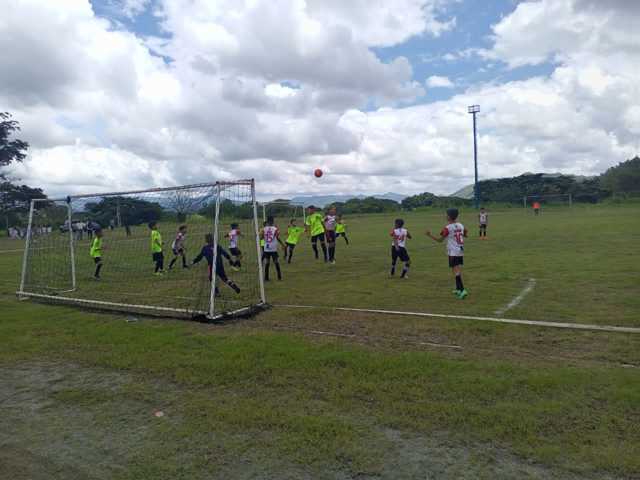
point(317, 173)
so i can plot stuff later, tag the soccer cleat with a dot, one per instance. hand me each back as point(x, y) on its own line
point(455, 292)
point(463, 294)
point(97, 279)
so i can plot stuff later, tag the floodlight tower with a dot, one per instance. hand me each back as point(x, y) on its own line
point(473, 110)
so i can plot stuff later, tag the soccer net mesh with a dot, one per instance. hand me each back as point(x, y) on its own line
point(283, 211)
point(191, 273)
point(560, 199)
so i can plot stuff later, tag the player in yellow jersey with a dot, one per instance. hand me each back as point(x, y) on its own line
point(341, 229)
point(96, 252)
point(156, 248)
point(315, 228)
point(293, 236)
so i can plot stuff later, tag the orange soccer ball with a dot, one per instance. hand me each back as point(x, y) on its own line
point(317, 173)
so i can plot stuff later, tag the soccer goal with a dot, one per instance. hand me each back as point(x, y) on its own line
point(561, 199)
point(283, 210)
point(162, 251)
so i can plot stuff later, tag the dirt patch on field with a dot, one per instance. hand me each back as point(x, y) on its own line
point(65, 421)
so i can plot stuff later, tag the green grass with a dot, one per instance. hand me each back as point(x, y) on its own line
point(276, 398)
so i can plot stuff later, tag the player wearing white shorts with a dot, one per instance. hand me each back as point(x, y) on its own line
point(399, 248)
point(455, 233)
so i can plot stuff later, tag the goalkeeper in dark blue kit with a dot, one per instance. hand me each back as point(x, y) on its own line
point(207, 252)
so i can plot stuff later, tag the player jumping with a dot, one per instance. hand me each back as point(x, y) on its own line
point(207, 252)
point(315, 228)
point(455, 233)
point(330, 222)
point(399, 248)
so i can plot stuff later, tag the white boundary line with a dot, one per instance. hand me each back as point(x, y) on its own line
point(517, 299)
point(572, 326)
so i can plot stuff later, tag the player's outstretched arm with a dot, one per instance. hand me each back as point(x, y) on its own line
point(433, 237)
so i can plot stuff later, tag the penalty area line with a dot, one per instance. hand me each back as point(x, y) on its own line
point(537, 323)
point(518, 298)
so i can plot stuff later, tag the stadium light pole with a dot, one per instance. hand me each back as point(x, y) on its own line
point(473, 110)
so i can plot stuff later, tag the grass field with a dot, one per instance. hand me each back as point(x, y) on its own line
point(324, 394)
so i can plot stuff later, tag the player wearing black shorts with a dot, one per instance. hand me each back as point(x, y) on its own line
point(271, 236)
point(399, 248)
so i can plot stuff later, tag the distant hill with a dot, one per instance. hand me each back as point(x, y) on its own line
point(467, 192)
point(323, 200)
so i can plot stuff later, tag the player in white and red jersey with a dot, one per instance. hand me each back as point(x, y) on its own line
point(399, 248)
point(455, 233)
point(330, 222)
point(234, 240)
point(483, 221)
point(177, 246)
point(271, 236)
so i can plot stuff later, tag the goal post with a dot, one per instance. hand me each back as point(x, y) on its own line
point(126, 270)
point(563, 199)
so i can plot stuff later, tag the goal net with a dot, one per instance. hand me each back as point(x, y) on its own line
point(165, 251)
point(283, 211)
point(563, 200)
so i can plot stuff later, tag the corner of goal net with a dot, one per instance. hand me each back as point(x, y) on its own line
point(231, 316)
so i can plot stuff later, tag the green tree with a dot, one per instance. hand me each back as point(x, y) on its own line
point(624, 178)
point(10, 150)
point(133, 211)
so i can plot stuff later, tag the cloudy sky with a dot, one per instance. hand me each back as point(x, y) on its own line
point(119, 94)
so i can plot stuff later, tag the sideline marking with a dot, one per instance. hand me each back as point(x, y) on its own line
point(539, 323)
point(517, 299)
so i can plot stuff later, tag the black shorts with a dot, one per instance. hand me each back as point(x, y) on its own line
point(341, 234)
point(97, 260)
point(330, 235)
point(157, 256)
point(400, 253)
point(483, 226)
point(315, 238)
point(178, 251)
point(290, 245)
point(235, 252)
point(455, 261)
point(270, 255)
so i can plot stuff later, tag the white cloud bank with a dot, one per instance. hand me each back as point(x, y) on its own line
point(272, 90)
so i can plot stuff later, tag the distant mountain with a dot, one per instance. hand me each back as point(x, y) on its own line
point(464, 192)
point(323, 200)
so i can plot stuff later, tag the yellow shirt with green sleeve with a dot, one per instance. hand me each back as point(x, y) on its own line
point(315, 224)
point(156, 241)
point(341, 228)
point(293, 235)
point(96, 248)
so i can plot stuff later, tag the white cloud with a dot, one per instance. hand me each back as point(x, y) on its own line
point(436, 81)
point(273, 90)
